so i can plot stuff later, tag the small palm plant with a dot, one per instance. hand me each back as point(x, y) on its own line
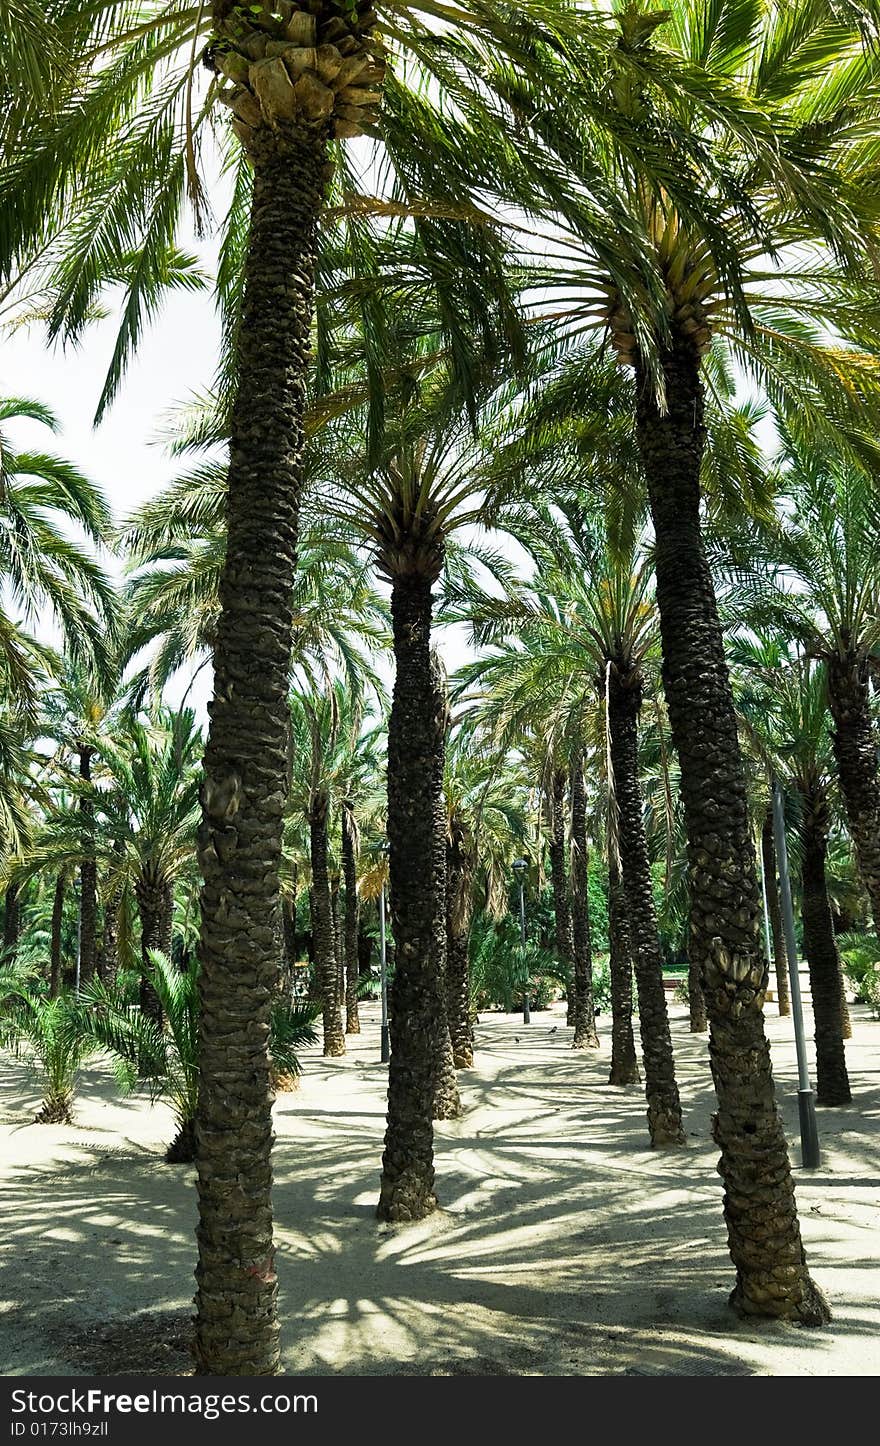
point(42, 1031)
point(165, 1059)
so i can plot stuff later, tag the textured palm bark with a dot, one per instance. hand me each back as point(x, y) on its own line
point(352, 918)
point(855, 751)
point(323, 931)
point(416, 827)
point(585, 1034)
point(151, 896)
point(11, 916)
point(88, 872)
point(820, 947)
point(447, 1104)
point(624, 1064)
point(107, 964)
point(563, 931)
point(166, 922)
point(845, 1020)
point(661, 1090)
point(55, 938)
point(338, 938)
point(245, 766)
point(459, 912)
point(774, 914)
point(759, 1205)
point(699, 1021)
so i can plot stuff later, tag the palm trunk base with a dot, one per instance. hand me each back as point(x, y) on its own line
point(407, 1192)
point(447, 1105)
point(664, 1126)
point(182, 1150)
point(586, 1036)
point(352, 1020)
point(55, 1110)
point(624, 1072)
point(769, 1297)
point(334, 1038)
point(463, 1056)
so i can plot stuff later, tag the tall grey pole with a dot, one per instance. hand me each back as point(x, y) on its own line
point(527, 1018)
point(806, 1102)
point(383, 975)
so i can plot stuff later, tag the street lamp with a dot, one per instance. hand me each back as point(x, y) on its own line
point(385, 1047)
point(519, 868)
point(806, 1103)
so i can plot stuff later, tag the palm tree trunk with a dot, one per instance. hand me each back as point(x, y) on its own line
point(152, 906)
point(55, 945)
point(352, 917)
point(166, 921)
point(774, 913)
point(11, 917)
point(245, 766)
point(585, 1035)
point(323, 932)
point(661, 1090)
point(447, 1104)
point(564, 933)
point(338, 939)
point(624, 1065)
point(696, 999)
point(88, 873)
point(855, 750)
point(416, 830)
point(762, 1223)
point(823, 960)
point(459, 911)
point(107, 964)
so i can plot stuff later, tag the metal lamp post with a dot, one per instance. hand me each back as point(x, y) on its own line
point(519, 868)
point(385, 1047)
point(806, 1102)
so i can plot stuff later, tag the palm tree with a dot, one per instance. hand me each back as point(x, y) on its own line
point(314, 725)
point(484, 832)
point(40, 1029)
point(419, 493)
point(328, 749)
point(75, 712)
point(286, 114)
point(145, 813)
point(45, 571)
point(715, 283)
point(587, 626)
point(785, 705)
point(818, 580)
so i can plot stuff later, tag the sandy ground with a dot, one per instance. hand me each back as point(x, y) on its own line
point(564, 1246)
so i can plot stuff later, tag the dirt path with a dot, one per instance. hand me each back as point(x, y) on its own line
point(565, 1246)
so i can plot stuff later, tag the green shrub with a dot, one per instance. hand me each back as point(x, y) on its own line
point(500, 965)
point(860, 955)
